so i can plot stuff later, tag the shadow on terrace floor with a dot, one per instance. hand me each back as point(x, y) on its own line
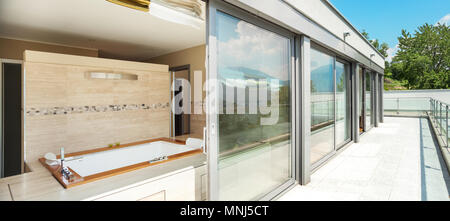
point(434, 175)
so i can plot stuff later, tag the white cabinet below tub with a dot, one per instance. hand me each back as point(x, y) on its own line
point(180, 185)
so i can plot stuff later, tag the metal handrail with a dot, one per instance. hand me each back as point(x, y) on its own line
point(437, 108)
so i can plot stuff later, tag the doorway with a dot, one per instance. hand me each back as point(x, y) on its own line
point(330, 105)
point(181, 120)
point(11, 162)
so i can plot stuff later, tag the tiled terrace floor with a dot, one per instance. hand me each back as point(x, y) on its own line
point(399, 160)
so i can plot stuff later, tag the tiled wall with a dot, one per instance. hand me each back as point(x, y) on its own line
point(65, 109)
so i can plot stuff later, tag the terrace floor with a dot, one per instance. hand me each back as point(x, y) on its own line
point(400, 160)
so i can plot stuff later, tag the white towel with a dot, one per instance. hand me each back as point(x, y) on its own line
point(53, 162)
point(194, 143)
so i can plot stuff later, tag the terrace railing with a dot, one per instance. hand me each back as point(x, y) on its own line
point(406, 106)
point(436, 110)
point(439, 114)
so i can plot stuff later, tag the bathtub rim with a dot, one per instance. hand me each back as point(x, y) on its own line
point(79, 180)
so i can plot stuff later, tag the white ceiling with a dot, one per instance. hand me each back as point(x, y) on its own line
point(117, 31)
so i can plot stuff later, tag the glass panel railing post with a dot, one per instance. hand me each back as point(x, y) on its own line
point(431, 106)
point(440, 118)
point(434, 110)
point(446, 123)
point(398, 106)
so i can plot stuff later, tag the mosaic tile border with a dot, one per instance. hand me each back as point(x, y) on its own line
point(95, 109)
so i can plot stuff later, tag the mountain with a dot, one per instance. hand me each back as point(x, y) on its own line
point(244, 73)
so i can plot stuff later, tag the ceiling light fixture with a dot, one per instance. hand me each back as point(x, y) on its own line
point(185, 12)
point(142, 5)
point(346, 34)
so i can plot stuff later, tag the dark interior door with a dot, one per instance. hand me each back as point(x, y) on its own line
point(182, 121)
point(179, 117)
point(12, 120)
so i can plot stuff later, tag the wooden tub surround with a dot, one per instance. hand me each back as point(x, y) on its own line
point(76, 179)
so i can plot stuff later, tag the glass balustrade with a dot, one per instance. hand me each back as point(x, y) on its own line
point(438, 112)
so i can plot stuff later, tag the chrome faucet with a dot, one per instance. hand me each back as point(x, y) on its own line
point(64, 170)
point(61, 151)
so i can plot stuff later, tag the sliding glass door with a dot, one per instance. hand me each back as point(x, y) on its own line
point(369, 100)
point(330, 105)
point(322, 105)
point(343, 103)
point(250, 111)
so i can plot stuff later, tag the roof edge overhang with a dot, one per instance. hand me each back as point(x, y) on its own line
point(297, 22)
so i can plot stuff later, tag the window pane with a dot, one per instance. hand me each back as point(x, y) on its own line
point(342, 104)
point(254, 146)
point(322, 105)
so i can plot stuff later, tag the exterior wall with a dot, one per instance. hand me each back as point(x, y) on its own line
point(195, 57)
point(298, 18)
point(13, 49)
point(65, 109)
point(327, 16)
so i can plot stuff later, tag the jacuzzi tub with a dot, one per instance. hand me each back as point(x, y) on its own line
point(106, 162)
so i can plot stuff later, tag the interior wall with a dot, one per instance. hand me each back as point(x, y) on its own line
point(13, 49)
point(195, 57)
point(66, 109)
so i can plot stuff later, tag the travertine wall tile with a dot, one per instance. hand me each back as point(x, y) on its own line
point(65, 109)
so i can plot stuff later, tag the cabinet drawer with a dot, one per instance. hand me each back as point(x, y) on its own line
point(176, 187)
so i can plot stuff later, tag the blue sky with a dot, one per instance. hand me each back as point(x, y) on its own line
point(384, 19)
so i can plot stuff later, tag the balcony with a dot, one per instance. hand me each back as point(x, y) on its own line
point(402, 159)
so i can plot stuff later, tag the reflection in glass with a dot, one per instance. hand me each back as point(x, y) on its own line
point(369, 120)
point(322, 105)
point(343, 118)
point(254, 159)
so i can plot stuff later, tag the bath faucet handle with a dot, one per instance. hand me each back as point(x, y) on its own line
point(66, 173)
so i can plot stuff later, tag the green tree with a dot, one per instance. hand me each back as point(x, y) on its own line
point(382, 48)
point(389, 82)
point(423, 58)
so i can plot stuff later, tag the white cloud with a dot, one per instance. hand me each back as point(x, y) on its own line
point(257, 49)
point(444, 20)
point(391, 53)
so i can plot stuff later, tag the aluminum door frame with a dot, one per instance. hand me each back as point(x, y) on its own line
point(212, 105)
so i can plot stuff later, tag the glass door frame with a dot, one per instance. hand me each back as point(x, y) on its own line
point(372, 105)
point(212, 103)
point(362, 90)
point(336, 147)
point(349, 93)
point(318, 163)
point(375, 99)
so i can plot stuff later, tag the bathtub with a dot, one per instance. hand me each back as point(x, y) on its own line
point(105, 162)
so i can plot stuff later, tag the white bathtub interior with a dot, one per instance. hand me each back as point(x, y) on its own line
point(94, 163)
